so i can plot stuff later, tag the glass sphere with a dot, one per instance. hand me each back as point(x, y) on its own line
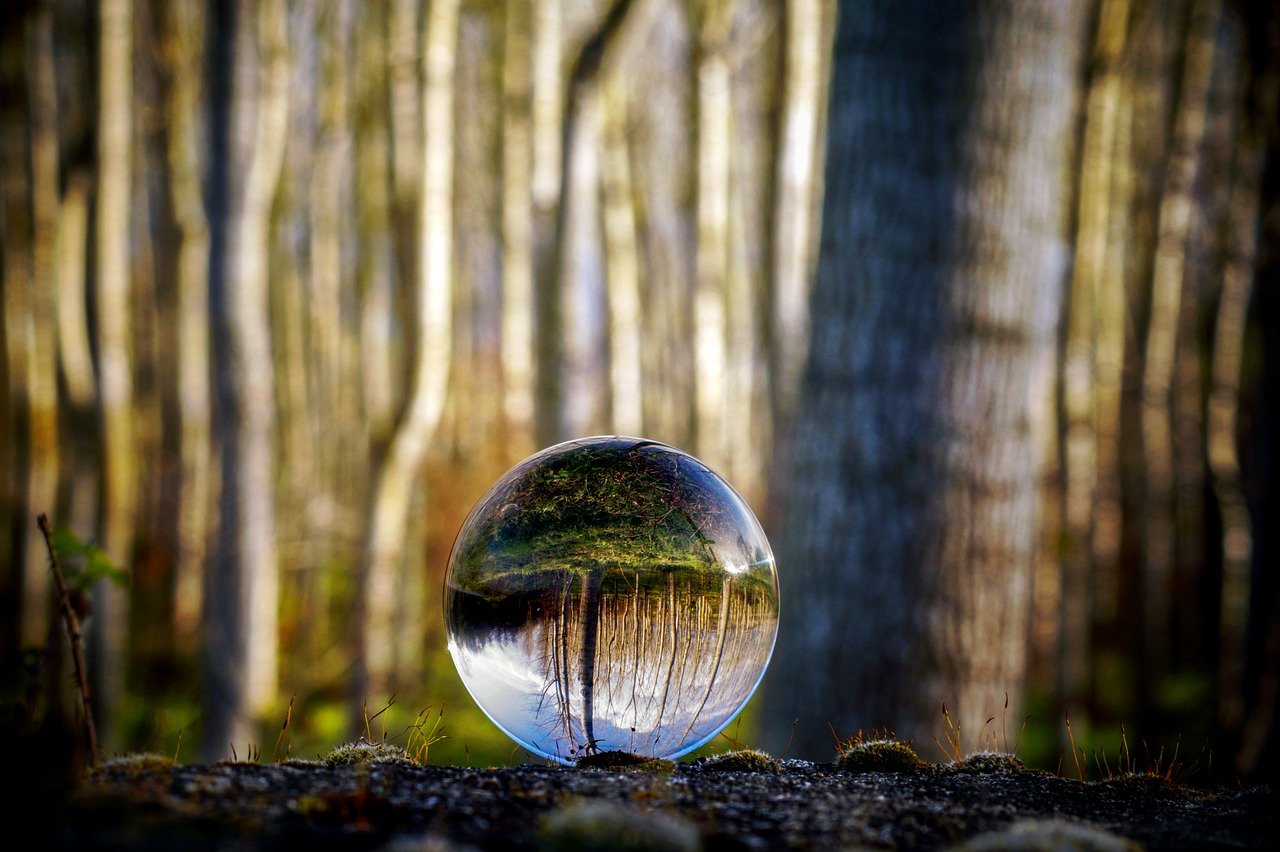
point(611, 594)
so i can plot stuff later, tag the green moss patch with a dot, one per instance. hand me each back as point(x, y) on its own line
point(742, 760)
point(986, 762)
point(363, 752)
point(880, 755)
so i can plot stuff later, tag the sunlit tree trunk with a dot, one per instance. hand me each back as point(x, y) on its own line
point(401, 468)
point(42, 385)
point(334, 393)
point(184, 25)
point(548, 104)
point(1167, 281)
point(404, 96)
point(714, 116)
point(114, 300)
point(907, 494)
point(807, 28)
point(243, 592)
point(664, 172)
point(1079, 415)
point(517, 227)
point(622, 267)
point(376, 260)
point(73, 324)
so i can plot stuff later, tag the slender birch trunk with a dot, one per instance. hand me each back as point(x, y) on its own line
point(548, 107)
point(42, 366)
point(400, 471)
point(799, 179)
point(714, 115)
point(244, 591)
point(622, 267)
point(1079, 435)
point(1167, 282)
point(109, 628)
point(185, 25)
point(517, 228)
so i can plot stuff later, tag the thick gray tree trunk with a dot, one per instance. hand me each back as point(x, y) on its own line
point(906, 494)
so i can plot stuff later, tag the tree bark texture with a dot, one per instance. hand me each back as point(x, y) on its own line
point(400, 470)
point(907, 493)
point(243, 613)
point(109, 628)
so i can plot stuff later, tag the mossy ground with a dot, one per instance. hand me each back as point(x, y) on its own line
point(803, 805)
point(742, 760)
point(622, 761)
point(883, 754)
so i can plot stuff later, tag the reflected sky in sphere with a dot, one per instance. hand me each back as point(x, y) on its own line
point(611, 593)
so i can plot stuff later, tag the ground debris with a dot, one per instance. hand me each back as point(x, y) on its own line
point(803, 805)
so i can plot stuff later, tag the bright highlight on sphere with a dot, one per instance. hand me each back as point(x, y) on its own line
point(609, 594)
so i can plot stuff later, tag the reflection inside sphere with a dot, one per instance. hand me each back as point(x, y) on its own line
point(611, 594)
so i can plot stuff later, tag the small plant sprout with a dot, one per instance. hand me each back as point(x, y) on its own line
point(954, 749)
point(281, 753)
point(368, 720)
point(71, 621)
point(424, 733)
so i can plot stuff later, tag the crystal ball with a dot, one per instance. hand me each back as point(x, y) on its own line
point(608, 594)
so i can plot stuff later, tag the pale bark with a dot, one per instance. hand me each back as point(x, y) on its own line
point(244, 592)
point(334, 407)
point(400, 471)
point(622, 268)
point(74, 352)
point(714, 115)
point(798, 177)
point(662, 151)
point(1079, 450)
point(1167, 282)
point(548, 107)
point(517, 228)
point(184, 22)
point(375, 266)
point(908, 489)
point(42, 365)
point(109, 627)
point(583, 319)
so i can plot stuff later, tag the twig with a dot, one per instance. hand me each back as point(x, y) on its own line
point(72, 624)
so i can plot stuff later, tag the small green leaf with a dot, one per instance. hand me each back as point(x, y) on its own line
point(83, 563)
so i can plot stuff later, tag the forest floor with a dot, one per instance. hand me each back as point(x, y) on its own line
point(148, 803)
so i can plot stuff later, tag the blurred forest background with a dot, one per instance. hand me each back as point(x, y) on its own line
point(287, 285)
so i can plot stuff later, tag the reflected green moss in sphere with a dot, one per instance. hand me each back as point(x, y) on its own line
point(611, 594)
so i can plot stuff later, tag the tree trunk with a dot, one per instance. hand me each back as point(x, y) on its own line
point(42, 384)
point(184, 23)
point(907, 498)
point(517, 229)
point(799, 179)
point(109, 627)
point(400, 470)
point(244, 590)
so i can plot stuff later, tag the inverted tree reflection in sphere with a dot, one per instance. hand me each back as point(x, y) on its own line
point(611, 594)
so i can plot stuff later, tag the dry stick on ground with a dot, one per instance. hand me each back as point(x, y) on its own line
point(77, 642)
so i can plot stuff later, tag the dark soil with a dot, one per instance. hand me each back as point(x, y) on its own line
point(149, 805)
